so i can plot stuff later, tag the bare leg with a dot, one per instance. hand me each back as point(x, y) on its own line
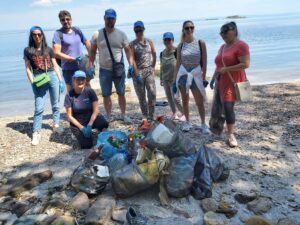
point(200, 104)
point(230, 129)
point(185, 102)
point(122, 103)
point(107, 105)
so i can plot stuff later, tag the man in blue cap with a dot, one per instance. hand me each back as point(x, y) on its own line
point(117, 41)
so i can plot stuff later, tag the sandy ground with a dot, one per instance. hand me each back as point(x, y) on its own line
point(267, 160)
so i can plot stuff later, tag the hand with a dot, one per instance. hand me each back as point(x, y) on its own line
point(223, 70)
point(62, 86)
point(34, 89)
point(174, 88)
point(78, 59)
point(130, 70)
point(205, 83)
point(86, 131)
point(139, 79)
point(211, 84)
point(91, 72)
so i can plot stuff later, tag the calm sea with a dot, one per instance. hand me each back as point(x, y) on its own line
point(274, 44)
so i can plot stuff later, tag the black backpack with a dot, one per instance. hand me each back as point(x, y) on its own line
point(61, 37)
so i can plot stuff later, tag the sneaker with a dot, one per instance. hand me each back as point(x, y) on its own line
point(205, 129)
point(187, 126)
point(58, 129)
point(134, 218)
point(232, 142)
point(126, 119)
point(108, 118)
point(36, 137)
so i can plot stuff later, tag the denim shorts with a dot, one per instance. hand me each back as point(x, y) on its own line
point(68, 75)
point(182, 82)
point(106, 80)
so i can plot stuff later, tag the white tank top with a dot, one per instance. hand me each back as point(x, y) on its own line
point(190, 54)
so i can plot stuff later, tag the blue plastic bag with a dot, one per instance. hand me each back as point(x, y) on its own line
point(108, 150)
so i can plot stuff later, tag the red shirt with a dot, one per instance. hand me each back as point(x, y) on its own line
point(230, 57)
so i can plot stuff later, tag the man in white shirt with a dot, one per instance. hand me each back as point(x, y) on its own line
point(117, 41)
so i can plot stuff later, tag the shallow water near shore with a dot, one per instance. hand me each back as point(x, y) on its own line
point(274, 44)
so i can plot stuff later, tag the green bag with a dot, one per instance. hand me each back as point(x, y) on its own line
point(42, 79)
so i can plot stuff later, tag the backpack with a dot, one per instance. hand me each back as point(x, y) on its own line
point(175, 54)
point(61, 37)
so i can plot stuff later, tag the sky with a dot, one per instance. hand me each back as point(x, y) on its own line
point(22, 14)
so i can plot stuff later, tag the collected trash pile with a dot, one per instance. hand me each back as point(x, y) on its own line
point(156, 153)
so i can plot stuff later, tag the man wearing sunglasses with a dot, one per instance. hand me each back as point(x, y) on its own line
point(117, 41)
point(67, 43)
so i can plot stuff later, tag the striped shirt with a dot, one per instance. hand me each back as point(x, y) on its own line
point(190, 54)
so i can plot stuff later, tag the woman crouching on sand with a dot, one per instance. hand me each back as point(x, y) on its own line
point(82, 109)
point(190, 73)
point(232, 60)
point(43, 74)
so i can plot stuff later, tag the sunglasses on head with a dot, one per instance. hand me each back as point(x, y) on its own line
point(65, 19)
point(225, 29)
point(37, 34)
point(189, 28)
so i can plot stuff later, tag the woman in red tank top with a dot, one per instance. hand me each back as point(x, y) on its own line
point(233, 57)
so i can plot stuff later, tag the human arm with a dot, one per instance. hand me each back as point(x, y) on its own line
point(136, 70)
point(178, 62)
point(87, 45)
point(56, 69)
point(28, 71)
point(204, 59)
point(244, 63)
point(95, 113)
point(92, 55)
point(153, 52)
point(61, 55)
point(160, 70)
point(72, 119)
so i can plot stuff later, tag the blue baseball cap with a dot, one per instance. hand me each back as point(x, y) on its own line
point(79, 73)
point(168, 35)
point(138, 24)
point(35, 28)
point(110, 13)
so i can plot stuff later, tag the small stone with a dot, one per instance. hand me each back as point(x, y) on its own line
point(101, 210)
point(211, 218)
point(19, 208)
point(4, 215)
point(288, 221)
point(257, 220)
point(80, 202)
point(209, 204)
point(244, 198)
point(119, 214)
point(11, 220)
point(260, 205)
point(30, 219)
point(171, 220)
point(66, 220)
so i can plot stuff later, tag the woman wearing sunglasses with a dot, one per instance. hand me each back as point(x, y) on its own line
point(144, 59)
point(190, 73)
point(43, 74)
point(167, 67)
point(232, 60)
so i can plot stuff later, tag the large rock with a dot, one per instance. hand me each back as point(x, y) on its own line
point(7, 218)
point(66, 220)
point(209, 204)
point(257, 220)
point(245, 198)
point(288, 221)
point(80, 202)
point(19, 208)
point(101, 210)
point(211, 218)
point(119, 214)
point(260, 205)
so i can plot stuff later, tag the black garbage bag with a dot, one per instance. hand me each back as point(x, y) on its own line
point(209, 168)
point(179, 182)
point(90, 178)
point(179, 145)
point(129, 180)
point(217, 116)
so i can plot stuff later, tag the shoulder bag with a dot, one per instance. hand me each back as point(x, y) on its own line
point(117, 67)
point(42, 79)
point(243, 90)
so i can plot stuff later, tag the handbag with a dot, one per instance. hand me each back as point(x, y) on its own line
point(117, 67)
point(243, 89)
point(42, 79)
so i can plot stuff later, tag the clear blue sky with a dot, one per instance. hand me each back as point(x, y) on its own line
point(21, 14)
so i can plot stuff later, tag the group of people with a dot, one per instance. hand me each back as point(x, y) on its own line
point(182, 68)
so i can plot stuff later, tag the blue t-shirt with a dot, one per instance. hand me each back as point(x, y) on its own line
point(81, 104)
point(70, 45)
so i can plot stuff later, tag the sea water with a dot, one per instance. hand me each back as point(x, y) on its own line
point(274, 42)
